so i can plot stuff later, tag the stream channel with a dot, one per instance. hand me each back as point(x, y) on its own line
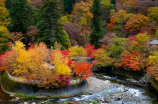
point(103, 89)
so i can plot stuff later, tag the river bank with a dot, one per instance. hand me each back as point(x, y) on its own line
point(100, 91)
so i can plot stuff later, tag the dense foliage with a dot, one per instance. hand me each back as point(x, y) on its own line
point(129, 54)
point(43, 67)
point(114, 33)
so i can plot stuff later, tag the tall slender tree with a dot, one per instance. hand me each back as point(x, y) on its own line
point(96, 24)
point(51, 29)
point(21, 13)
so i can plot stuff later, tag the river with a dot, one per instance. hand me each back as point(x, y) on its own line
point(103, 89)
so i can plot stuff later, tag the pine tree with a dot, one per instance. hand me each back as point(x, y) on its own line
point(22, 16)
point(51, 30)
point(4, 33)
point(96, 24)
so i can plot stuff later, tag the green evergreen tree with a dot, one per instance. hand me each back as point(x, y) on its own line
point(96, 24)
point(51, 30)
point(8, 4)
point(21, 14)
point(68, 5)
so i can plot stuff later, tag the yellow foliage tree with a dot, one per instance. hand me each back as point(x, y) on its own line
point(23, 63)
point(77, 51)
point(60, 63)
point(136, 22)
point(18, 46)
point(4, 36)
point(82, 9)
point(153, 14)
point(39, 56)
point(65, 19)
point(29, 1)
point(122, 16)
point(3, 15)
point(128, 4)
point(81, 15)
point(17, 60)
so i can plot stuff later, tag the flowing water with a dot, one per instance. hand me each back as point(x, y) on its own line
point(115, 90)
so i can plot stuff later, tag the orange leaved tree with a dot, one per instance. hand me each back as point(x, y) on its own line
point(82, 70)
point(135, 23)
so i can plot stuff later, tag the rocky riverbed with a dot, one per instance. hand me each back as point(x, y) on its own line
point(101, 91)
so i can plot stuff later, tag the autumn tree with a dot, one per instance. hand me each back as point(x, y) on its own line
point(153, 14)
point(82, 15)
point(117, 22)
point(51, 29)
point(29, 1)
point(112, 23)
point(128, 4)
point(82, 70)
point(11, 61)
point(32, 32)
point(106, 4)
point(150, 28)
point(23, 63)
point(73, 31)
point(96, 24)
point(4, 36)
point(106, 7)
point(48, 77)
point(122, 17)
point(77, 52)
point(60, 63)
point(136, 22)
point(15, 37)
point(4, 21)
point(22, 16)
point(38, 69)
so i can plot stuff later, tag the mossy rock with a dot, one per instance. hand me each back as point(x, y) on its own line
point(24, 96)
point(8, 84)
point(32, 91)
point(154, 83)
